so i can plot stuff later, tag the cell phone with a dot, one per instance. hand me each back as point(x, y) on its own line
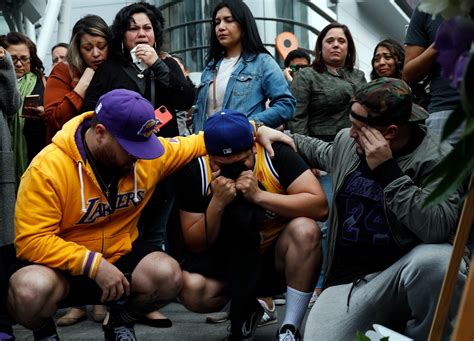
point(31, 101)
point(163, 115)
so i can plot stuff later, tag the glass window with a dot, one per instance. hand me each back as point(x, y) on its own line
point(188, 25)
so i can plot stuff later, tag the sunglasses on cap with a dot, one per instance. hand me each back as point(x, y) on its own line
point(382, 121)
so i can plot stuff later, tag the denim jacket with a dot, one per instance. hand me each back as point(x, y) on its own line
point(255, 79)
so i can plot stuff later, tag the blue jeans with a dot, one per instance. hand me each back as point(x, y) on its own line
point(154, 218)
point(326, 183)
point(436, 122)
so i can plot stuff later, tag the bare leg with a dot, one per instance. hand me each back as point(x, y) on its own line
point(34, 294)
point(298, 253)
point(157, 277)
point(201, 294)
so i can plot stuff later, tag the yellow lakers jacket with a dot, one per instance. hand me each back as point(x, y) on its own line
point(62, 217)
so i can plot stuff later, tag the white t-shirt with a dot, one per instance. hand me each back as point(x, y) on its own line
point(226, 67)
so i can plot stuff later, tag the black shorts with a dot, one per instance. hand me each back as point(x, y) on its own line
point(215, 263)
point(84, 290)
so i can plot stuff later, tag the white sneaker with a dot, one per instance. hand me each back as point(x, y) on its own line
point(269, 316)
point(288, 333)
point(312, 300)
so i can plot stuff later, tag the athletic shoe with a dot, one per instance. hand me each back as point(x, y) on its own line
point(118, 331)
point(279, 299)
point(47, 332)
point(313, 299)
point(49, 338)
point(249, 326)
point(219, 317)
point(288, 333)
point(269, 316)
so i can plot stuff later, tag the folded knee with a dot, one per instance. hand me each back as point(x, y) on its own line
point(31, 285)
point(305, 233)
point(192, 291)
point(171, 277)
point(428, 261)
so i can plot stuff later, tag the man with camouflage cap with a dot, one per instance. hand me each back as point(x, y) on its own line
point(387, 253)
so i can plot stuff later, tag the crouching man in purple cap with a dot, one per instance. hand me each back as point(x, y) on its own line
point(248, 223)
point(76, 215)
point(387, 252)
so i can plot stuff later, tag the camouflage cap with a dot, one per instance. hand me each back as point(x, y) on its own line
point(388, 101)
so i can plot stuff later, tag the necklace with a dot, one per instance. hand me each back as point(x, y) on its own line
point(102, 184)
point(140, 71)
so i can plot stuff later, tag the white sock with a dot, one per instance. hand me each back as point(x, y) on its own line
point(296, 306)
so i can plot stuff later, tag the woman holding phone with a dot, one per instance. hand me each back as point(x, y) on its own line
point(137, 63)
point(67, 85)
point(28, 125)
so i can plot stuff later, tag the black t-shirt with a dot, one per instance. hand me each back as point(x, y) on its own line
point(286, 163)
point(364, 242)
point(422, 32)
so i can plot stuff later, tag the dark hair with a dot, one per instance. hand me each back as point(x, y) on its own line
point(122, 22)
point(251, 41)
point(90, 24)
point(319, 64)
point(65, 45)
point(17, 38)
point(297, 53)
point(398, 53)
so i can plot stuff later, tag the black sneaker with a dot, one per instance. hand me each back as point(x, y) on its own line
point(250, 324)
point(49, 338)
point(288, 332)
point(47, 332)
point(114, 331)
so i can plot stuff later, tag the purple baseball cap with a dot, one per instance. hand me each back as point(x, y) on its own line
point(130, 119)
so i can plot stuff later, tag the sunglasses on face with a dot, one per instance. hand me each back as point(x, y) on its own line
point(296, 67)
point(23, 60)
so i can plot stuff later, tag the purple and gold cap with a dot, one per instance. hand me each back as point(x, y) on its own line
point(130, 119)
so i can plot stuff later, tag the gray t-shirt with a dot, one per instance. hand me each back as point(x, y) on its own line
point(422, 32)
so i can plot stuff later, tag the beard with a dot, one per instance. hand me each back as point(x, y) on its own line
point(109, 162)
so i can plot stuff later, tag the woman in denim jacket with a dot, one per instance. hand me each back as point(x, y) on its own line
point(241, 74)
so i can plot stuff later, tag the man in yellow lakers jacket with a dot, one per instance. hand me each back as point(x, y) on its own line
point(248, 223)
point(76, 216)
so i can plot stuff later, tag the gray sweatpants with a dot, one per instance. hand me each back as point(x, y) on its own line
point(407, 290)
